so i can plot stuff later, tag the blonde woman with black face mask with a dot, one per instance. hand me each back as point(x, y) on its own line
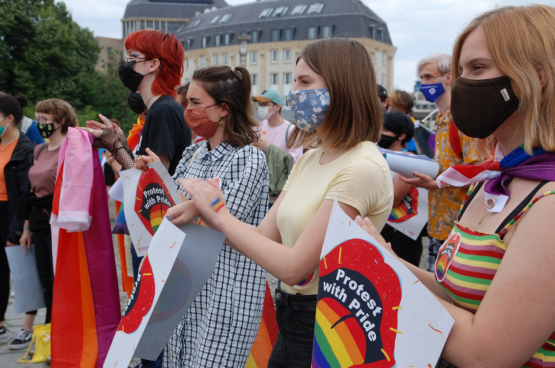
point(494, 272)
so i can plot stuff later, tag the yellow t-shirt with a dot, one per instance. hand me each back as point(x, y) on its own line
point(359, 178)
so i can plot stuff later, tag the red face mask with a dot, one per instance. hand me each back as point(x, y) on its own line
point(199, 122)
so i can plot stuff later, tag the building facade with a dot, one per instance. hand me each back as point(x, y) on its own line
point(110, 48)
point(265, 36)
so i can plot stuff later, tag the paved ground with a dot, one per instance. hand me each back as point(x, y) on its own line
point(8, 358)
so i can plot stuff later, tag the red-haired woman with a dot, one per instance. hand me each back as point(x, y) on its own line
point(152, 66)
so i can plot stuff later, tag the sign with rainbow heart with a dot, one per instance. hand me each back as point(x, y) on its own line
point(411, 215)
point(147, 197)
point(372, 311)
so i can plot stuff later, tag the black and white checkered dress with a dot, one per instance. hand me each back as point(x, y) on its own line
point(221, 325)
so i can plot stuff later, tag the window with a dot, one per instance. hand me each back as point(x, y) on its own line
point(149, 24)
point(255, 36)
point(226, 18)
point(280, 11)
point(192, 25)
point(287, 55)
point(225, 59)
point(216, 59)
point(373, 32)
point(276, 35)
point(375, 57)
point(380, 35)
point(383, 58)
point(227, 38)
point(274, 56)
point(202, 61)
point(298, 10)
point(315, 8)
point(383, 79)
point(326, 31)
point(254, 57)
point(274, 78)
point(218, 40)
point(287, 78)
point(216, 19)
point(188, 44)
point(266, 13)
point(186, 64)
point(204, 42)
point(109, 51)
point(288, 34)
point(254, 79)
point(312, 32)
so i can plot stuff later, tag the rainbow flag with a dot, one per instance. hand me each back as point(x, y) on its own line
point(86, 306)
point(267, 335)
point(126, 281)
point(407, 209)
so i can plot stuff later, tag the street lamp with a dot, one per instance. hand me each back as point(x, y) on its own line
point(244, 38)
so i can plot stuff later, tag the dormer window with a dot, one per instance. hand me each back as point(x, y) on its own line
point(315, 8)
point(266, 13)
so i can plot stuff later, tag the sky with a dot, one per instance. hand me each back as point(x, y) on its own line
point(417, 27)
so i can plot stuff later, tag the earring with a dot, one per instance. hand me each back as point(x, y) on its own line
point(221, 120)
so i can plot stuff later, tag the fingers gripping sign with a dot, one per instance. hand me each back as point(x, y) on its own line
point(208, 199)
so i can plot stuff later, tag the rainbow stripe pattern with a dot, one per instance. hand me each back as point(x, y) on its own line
point(401, 212)
point(342, 345)
point(470, 274)
point(217, 205)
point(157, 215)
point(307, 280)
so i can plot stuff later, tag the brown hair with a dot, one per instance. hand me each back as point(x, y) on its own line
point(61, 110)
point(401, 101)
point(116, 121)
point(521, 41)
point(182, 91)
point(234, 89)
point(354, 113)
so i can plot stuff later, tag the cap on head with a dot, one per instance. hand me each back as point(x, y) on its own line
point(382, 92)
point(269, 95)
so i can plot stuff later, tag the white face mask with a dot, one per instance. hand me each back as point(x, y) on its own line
point(263, 112)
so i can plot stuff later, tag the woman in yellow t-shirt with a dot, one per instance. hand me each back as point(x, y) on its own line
point(336, 107)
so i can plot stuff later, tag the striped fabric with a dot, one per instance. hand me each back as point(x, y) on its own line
point(467, 263)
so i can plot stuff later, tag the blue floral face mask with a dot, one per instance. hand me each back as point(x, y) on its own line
point(309, 107)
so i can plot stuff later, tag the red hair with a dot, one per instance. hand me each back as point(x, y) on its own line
point(167, 48)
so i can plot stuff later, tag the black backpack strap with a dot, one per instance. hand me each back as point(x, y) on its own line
point(520, 207)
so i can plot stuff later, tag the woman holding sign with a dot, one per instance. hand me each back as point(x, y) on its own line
point(493, 273)
point(337, 109)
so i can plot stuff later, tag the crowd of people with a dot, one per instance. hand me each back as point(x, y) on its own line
point(494, 142)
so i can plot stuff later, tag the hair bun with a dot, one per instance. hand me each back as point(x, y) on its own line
point(22, 99)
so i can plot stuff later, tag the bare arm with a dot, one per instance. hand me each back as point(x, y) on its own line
point(400, 190)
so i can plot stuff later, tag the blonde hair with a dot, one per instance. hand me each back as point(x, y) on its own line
point(521, 41)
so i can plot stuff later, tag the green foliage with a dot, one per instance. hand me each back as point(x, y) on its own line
point(45, 54)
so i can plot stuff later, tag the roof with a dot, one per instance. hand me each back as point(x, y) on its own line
point(349, 18)
point(169, 8)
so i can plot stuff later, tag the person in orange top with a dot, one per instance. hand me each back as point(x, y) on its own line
point(16, 157)
point(443, 204)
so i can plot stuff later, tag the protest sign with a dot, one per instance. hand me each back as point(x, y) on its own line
point(411, 215)
point(147, 197)
point(29, 293)
point(406, 164)
point(371, 309)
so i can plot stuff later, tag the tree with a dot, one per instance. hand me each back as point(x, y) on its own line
point(45, 54)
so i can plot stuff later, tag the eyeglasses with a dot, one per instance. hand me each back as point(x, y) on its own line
point(132, 57)
point(45, 120)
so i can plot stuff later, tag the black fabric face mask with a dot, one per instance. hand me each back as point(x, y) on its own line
point(386, 141)
point(46, 130)
point(479, 107)
point(136, 103)
point(128, 76)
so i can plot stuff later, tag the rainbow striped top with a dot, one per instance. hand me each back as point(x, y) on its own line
point(466, 265)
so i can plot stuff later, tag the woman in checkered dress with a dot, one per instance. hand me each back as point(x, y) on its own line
point(221, 325)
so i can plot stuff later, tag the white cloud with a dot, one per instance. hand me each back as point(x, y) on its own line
point(417, 28)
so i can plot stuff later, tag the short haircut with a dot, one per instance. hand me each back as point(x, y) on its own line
point(61, 110)
point(233, 88)
point(182, 91)
point(399, 123)
point(10, 105)
point(165, 47)
point(401, 101)
point(443, 63)
point(521, 41)
point(355, 113)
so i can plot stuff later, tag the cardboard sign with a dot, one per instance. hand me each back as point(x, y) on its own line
point(411, 215)
point(194, 264)
point(371, 309)
point(147, 197)
point(154, 272)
